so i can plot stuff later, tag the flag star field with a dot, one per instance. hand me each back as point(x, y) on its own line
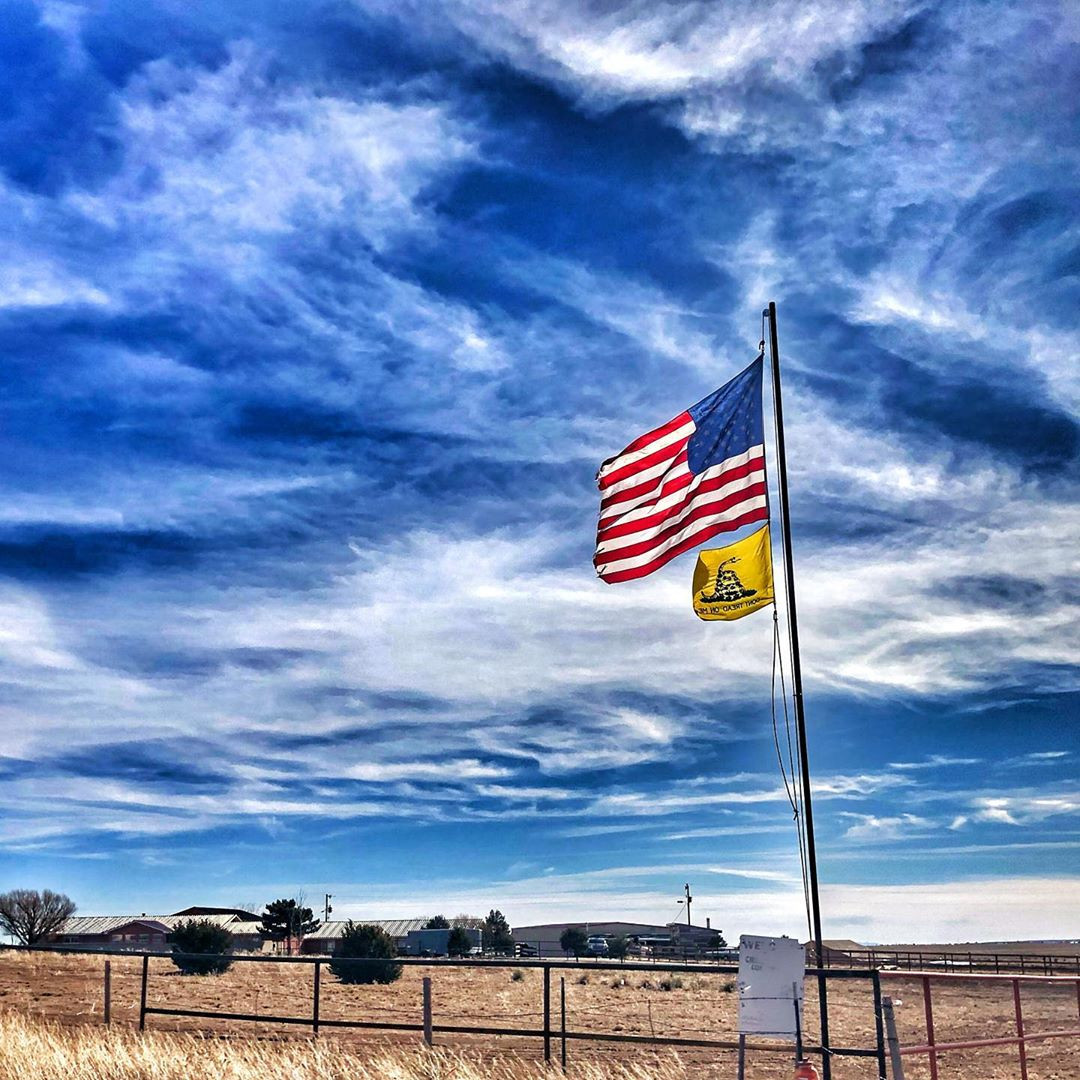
point(317, 321)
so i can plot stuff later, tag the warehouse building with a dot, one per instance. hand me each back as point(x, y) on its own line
point(146, 933)
point(670, 938)
point(324, 940)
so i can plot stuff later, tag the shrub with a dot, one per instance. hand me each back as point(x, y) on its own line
point(728, 986)
point(573, 940)
point(618, 947)
point(498, 937)
point(671, 982)
point(458, 942)
point(583, 980)
point(201, 936)
point(517, 975)
point(363, 955)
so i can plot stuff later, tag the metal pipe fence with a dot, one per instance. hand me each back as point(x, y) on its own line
point(997, 963)
point(933, 1049)
point(547, 1032)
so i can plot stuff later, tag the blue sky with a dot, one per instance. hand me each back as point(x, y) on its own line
point(317, 320)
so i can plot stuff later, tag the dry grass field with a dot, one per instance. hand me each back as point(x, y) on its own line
point(39, 1050)
point(67, 990)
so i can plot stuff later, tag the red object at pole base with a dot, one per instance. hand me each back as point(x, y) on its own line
point(805, 1071)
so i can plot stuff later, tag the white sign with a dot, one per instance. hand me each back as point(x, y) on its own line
point(770, 985)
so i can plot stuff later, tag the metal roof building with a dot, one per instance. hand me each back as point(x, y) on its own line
point(100, 925)
point(329, 933)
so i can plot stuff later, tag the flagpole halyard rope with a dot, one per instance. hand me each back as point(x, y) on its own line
point(796, 799)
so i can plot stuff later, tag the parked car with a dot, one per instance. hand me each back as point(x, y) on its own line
point(597, 945)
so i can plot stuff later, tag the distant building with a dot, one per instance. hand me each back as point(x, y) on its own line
point(143, 934)
point(836, 951)
point(437, 942)
point(146, 933)
point(659, 938)
point(324, 940)
point(149, 933)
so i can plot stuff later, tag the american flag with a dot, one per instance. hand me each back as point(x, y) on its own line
point(700, 474)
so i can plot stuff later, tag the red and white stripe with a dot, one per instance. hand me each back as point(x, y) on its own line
point(652, 507)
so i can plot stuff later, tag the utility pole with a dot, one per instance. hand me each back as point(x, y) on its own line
point(326, 907)
point(686, 888)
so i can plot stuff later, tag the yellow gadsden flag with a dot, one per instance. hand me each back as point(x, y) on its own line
point(733, 581)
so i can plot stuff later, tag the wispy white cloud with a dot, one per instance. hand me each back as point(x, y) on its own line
point(639, 51)
point(872, 827)
point(934, 761)
point(242, 157)
point(1024, 810)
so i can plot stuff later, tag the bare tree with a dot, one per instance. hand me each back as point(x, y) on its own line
point(32, 916)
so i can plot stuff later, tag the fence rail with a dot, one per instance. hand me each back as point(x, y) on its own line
point(953, 961)
point(932, 1048)
point(548, 1032)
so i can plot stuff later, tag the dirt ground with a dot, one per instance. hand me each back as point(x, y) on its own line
point(69, 989)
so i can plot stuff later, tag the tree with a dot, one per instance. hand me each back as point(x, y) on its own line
point(437, 922)
point(573, 940)
point(33, 916)
point(202, 936)
point(363, 955)
point(288, 921)
point(459, 943)
point(618, 947)
point(497, 933)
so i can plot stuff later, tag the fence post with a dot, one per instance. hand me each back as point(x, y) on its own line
point(427, 1010)
point(108, 991)
point(742, 1057)
point(142, 992)
point(1020, 1029)
point(547, 1013)
point(562, 1019)
point(315, 1000)
point(929, 1010)
point(798, 1024)
point(878, 1032)
point(894, 1043)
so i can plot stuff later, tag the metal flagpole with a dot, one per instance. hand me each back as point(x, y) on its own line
point(796, 680)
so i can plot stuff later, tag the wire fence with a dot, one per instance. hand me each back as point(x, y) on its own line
point(556, 1007)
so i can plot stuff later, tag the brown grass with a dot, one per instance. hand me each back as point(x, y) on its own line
point(37, 1050)
point(68, 990)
